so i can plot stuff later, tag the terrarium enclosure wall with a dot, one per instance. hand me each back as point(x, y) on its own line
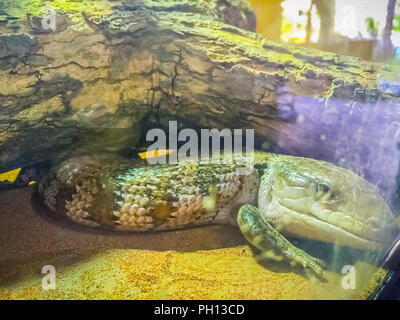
point(82, 83)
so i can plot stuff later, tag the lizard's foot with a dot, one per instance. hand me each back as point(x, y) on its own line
point(275, 246)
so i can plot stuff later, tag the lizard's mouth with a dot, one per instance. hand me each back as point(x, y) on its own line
point(319, 223)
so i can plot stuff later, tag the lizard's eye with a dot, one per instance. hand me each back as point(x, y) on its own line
point(324, 188)
point(320, 187)
point(322, 191)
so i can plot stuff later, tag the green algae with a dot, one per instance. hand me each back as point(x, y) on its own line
point(21, 8)
point(242, 46)
point(245, 46)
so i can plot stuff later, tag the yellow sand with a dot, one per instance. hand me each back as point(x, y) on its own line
point(215, 274)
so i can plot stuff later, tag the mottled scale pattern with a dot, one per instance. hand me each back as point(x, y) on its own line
point(82, 199)
point(172, 196)
point(106, 191)
point(72, 189)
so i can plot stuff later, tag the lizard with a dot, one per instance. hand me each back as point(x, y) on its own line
point(277, 196)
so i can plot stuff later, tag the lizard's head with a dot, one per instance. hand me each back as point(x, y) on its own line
point(317, 200)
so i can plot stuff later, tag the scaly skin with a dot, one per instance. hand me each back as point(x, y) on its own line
point(297, 196)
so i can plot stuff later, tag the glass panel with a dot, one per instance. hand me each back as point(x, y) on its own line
point(199, 149)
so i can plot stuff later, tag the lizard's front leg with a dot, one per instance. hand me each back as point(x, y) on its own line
point(272, 244)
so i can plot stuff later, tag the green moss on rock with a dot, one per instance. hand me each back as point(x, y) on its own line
point(21, 8)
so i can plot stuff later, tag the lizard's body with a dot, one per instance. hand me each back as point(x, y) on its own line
point(301, 197)
point(136, 196)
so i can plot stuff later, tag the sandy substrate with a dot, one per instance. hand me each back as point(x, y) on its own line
point(199, 263)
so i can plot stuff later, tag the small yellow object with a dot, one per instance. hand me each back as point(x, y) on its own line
point(210, 202)
point(10, 175)
point(31, 183)
point(155, 153)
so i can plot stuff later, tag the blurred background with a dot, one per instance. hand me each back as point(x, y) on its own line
point(369, 29)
